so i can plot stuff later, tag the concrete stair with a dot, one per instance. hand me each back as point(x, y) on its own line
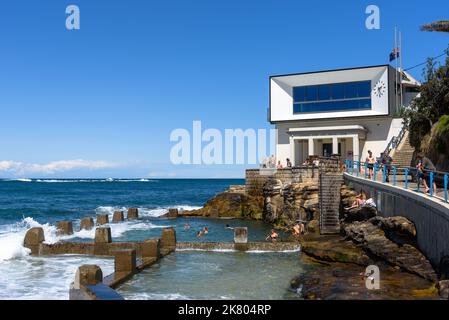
point(403, 155)
point(329, 200)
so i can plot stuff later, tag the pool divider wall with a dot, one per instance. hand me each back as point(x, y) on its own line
point(133, 214)
point(102, 219)
point(64, 227)
point(168, 240)
point(87, 223)
point(118, 217)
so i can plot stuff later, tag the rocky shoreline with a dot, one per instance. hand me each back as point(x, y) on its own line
point(340, 260)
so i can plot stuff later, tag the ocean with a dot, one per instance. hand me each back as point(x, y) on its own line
point(26, 203)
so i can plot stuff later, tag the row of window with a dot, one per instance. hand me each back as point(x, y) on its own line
point(334, 91)
point(357, 104)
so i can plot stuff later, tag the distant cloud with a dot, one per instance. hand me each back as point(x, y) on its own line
point(22, 168)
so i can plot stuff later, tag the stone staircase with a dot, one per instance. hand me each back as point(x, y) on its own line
point(403, 155)
point(329, 199)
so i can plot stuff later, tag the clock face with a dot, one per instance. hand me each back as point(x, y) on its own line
point(379, 89)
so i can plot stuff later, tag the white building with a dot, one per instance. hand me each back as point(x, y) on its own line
point(345, 112)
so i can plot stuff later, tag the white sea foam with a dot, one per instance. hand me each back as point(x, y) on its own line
point(21, 180)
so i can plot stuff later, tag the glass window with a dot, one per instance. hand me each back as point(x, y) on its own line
point(338, 91)
point(332, 97)
point(299, 93)
point(364, 89)
point(324, 92)
point(350, 90)
point(311, 93)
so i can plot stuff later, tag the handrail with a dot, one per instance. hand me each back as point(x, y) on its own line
point(385, 169)
point(395, 140)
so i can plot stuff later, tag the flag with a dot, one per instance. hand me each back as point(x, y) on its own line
point(394, 54)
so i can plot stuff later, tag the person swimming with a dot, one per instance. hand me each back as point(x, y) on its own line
point(186, 226)
point(229, 227)
point(205, 231)
point(199, 234)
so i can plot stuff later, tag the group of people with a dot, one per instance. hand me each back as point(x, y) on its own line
point(314, 160)
point(424, 167)
point(200, 233)
point(271, 163)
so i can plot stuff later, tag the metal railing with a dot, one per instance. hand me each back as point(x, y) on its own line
point(395, 141)
point(371, 171)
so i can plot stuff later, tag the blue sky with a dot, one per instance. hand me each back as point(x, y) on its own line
point(101, 101)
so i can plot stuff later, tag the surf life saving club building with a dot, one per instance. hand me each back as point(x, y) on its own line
point(344, 111)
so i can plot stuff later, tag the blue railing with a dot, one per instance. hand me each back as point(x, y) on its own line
point(355, 167)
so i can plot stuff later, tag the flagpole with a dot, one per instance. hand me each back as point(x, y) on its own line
point(396, 71)
point(400, 62)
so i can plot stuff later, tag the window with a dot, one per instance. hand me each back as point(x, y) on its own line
point(332, 97)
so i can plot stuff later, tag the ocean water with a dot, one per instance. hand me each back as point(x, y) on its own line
point(26, 203)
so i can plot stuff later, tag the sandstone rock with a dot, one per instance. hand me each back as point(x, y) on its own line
point(33, 238)
point(172, 213)
point(103, 235)
point(87, 223)
point(313, 226)
point(133, 213)
point(88, 275)
point(443, 289)
point(359, 214)
point(118, 216)
point(64, 227)
point(102, 219)
point(150, 248)
point(398, 229)
point(240, 235)
point(373, 240)
point(125, 260)
point(335, 249)
point(443, 268)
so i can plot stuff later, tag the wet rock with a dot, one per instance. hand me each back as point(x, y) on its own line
point(118, 216)
point(343, 281)
point(103, 235)
point(102, 219)
point(334, 249)
point(133, 213)
point(64, 227)
point(172, 213)
point(87, 223)
point(88, 275)
point(33, 238)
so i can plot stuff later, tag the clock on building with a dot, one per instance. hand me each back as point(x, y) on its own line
point(380, 88)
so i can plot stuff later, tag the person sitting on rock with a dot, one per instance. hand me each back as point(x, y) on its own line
point(298, 229)
point(359, 201)
point(274, 236)
point(279, 165)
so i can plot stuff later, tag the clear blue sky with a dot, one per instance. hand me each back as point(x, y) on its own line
point(105, 98)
